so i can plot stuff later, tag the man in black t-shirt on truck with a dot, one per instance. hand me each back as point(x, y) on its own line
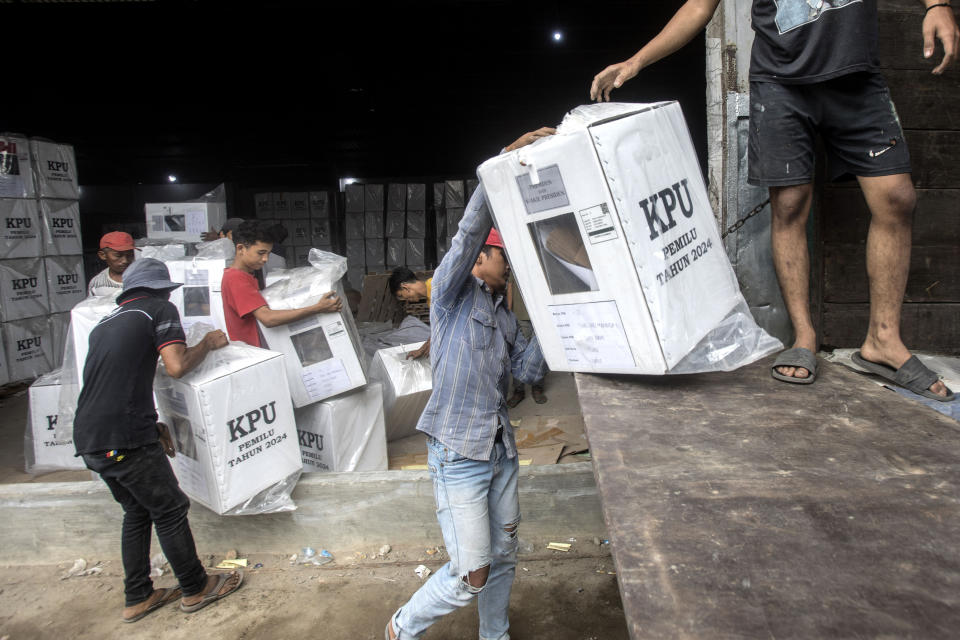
point(813, 69)
point(116, 431)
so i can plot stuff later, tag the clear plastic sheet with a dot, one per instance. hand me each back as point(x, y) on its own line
point(344, 433)
point(65, 282)
point(396, 223)
point(416, 196)
point(54, 169)
point(396, 252)
point(16, 170)
point(453, 194)
point(61, 227)
point(373, 225)
point(373, 197)
point(21, 235)
point(735, 342)
point(396, 197)
point(162, 250)
point(200, 298)
point(407, 385)
point(415, 251)
point(220, 249)
point(59, 330)
point(233, 428)
point(23, 289)
point(375, 336)
point(42, 452)
point(416, 224)
point(28, 347)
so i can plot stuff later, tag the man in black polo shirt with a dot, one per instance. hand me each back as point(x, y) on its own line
point(116, 431)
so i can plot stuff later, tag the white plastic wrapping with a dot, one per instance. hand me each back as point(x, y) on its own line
point(353, 226)
point(59, 329)
point(23, 289)
point(65, 282)
point(200, 298)
point(299, 204)
point(16, 170)
point(183, 221)
point(344, 433)
point(234, 431)
point(414, 252)
point(396, 252)
point(28, 347)
point(42, 451)
point(54, 169)
point(616, 250)
point(263, 205)
point(61, 227)
point(396, 224)
point(21, 233)
point(220, 249)
point(407, 385)
point(322, 354)
point(373, 224)
point(417, 224)
point(164, 252)
point(301, 256)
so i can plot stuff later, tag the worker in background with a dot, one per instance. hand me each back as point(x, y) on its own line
point(405, 285)
point(118, 436)
point(471, 449)
point(243, 304)
point(116, 249)
point(226, 231)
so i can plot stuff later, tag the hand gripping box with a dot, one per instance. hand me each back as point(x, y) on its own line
point(28, 347)
point(42, 451)
point(184, 221)
point(23, 289)
point(65, 282)
point(322, 353)
point(16, 170)
point(200, 298)
point(20, 230)
point(344, 433)
point(407, 385)
point(61, 227)
point(233, 428)
point(610, 233)
point(54, 169)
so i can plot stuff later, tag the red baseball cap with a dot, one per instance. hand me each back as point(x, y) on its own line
point(494, 239)
point(117, 240)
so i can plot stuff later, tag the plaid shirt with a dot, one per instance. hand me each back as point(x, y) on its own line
point(475, 344)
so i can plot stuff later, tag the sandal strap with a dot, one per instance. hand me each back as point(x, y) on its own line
point(915, 376)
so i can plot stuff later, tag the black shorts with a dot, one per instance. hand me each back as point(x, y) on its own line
point(853, 115)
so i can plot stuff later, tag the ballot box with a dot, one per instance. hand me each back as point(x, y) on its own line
point(65, 282)
point(61, 227)
point(23, 289)
point(42, 451)
point(610, 234)
point(407, 385)
point(344, 433)
point(54, 169)
point(28, 347)
point(233, 428)
point(20, 229)
point(184, 221)
point(200, 298)
point(323, 354)
point(16, 170)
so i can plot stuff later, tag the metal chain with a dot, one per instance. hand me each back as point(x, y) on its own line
point(739, 223)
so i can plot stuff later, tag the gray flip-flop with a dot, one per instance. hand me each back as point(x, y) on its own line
point(795, 357)
point(913, 376)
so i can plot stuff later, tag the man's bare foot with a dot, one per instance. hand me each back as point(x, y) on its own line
point(893, 354)
point(805, 342)
point(212, 580)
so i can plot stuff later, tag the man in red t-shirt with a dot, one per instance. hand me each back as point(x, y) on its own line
point(242, 303)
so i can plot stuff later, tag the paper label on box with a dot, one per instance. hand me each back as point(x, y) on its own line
point(326, 378)
point(196, 221)
point(592, 335)
point(598, 223)
point(547, 194)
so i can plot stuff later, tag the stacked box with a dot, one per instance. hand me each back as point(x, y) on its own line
point(416, 197)
point(21, 233)
point(263, 206)
point(395, 224)
point(281, 205)
point(301, 257)
point(320, 232)
point(471, 186)
point(614, 243)
point(344, 433)
point(373, 224)
point(354, 278)
point(396, 252)
point(322, 353)
point(65, 282)
point(298, 232)
point(416, 224)
point(373, 197)
point(42, 451)
point(396, 197)
point(200, 299)
point(414, 254)
point(454, 216)
point(61, 227)
point(299, 205)
point(23, 289)
point(59, 328)
point(319, 204)
point(407, 385)
point(453, 194)
point(16, 170)
point(54, 170)
point(28, 347)
point(353, 198)
point(353, 226)
point(375, 255)
point(183, 221)
point(234, 431)
point(356, 254)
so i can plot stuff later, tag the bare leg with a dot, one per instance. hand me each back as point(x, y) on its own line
point(891, 200)
point(788, 236)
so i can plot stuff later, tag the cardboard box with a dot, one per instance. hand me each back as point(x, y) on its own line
point(4, 369)
point(299, 232)
point(301, 257)
point(61, 227)
point(281, 204)
point(396, 252)
point(375, 255)
point(200, 298)
point(16, 169)
point(353, 198)
point(453, 194)
point(28, 347)
point(66, 284)
point(184, 221)
point(373, 224)
point(42, 452)
point(23, 289)
point(396, 197)
point(611, 235)
point(416, 224)
point(320, 204)
point(356, 254)
point(20, 229)
point(299, 204)
point(263, 206)
point(322, 351)
point(320, 232)
point(344, 433)
point(438, 191)
point(416, 196)
point(354, 277)
point(415, 251)
point(54, 170)
point(234, 431)
point(454, 216)
point(471, 186)
point(353, 226)
point(396, 224)
point(373, 197)
point(59, 328)
point(407, 385)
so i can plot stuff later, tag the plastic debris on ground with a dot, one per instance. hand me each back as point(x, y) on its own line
point(157, 563)
point(384, 551)
point(422, 572)
point(233, 563)
point(309, 555)
point(559, 546)
point(79, 569)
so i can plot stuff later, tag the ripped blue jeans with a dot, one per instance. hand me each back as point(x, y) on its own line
point(479, 510)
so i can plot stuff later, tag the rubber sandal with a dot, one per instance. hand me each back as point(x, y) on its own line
point(169, 595)
point(913, 376)
point(516, 399)
point(538, 396)
point(796, 357)
point(214, 594)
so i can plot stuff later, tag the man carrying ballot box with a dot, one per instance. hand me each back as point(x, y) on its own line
point(243, 304)
point(116, 431)
point(471, 451)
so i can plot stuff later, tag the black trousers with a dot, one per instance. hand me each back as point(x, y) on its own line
point(142, 481)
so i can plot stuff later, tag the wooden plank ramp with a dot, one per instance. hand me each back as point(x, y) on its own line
point(741, 507)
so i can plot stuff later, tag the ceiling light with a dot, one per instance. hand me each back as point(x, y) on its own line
point(172, 178)
point(557, 36)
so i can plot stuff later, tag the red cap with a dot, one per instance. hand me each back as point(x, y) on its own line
point(494, 239)
point(117, 240)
